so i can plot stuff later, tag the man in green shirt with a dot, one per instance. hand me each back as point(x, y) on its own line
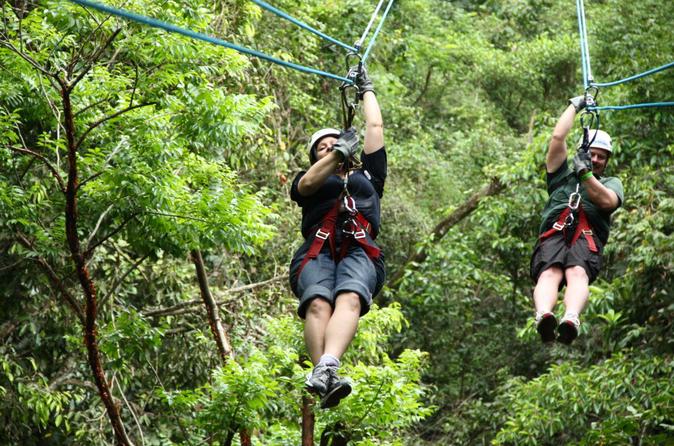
point(575, 226)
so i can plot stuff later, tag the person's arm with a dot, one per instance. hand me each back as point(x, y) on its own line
point(603, 197)
point(557, 152)
point(318, 173)
point(374, 124)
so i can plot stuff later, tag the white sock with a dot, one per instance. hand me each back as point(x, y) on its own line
point(328, 359)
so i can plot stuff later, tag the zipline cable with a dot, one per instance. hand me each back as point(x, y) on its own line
point(359, 42)
point(631, 106)
point(584, 51)
point(196, 35)
point(376, 31)
point(635, 77)
point(303, 25)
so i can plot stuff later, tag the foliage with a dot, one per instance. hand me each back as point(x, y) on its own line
point(184, 145)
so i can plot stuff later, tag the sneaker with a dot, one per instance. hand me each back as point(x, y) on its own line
point(568, 328)
point(545, 326)
point(318, 381)
point(339, 389)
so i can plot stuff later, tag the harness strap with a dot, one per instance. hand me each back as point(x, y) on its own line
point(322, 234)
point(583, 228)
point(358, 231)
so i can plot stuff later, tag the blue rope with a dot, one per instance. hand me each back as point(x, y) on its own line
point(627, 107)
point(376, 31)
point(195, 35)
point(303, 25)
point(636, 76)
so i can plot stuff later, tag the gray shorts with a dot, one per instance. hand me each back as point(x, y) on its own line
point(322, 277)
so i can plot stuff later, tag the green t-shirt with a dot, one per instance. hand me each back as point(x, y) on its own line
point(561, 184)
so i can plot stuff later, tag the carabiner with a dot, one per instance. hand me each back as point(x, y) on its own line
point(574, 199)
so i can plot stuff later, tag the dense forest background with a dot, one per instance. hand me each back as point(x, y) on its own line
point(146, 226)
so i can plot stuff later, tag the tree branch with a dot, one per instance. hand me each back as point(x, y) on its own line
point(107, 118)
point(53, 277)
point(465, 209)
point(94, 57)
point(98, 224)
point(117, 283)
point(169, 311)
point(27, 58)
point(221, 340)
point(46, 162)
point(90, 248)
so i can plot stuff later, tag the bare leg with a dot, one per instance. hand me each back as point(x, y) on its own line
point(545, 293)
point(342, 326)
point(317, 318)
point(577, 289)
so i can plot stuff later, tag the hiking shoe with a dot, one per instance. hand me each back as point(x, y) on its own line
point(546, 323)
point(339, 389)
point(318, 381)
point(568, 329)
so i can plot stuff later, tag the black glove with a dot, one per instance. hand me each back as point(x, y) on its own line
point(582, 162)
point(363, 82)
point(347, 143)
point(578, 103)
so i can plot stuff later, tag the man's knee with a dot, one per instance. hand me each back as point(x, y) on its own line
point(319, 308)
point(552, 274)
point(576, 273)
point(349, 301)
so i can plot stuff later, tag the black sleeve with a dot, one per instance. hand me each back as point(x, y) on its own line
point(295, 192)
point(375, 168)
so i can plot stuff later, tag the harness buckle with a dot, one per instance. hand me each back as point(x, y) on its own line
point(359, 234)
point(321, 234)
point(558, 226)
point(587, 232)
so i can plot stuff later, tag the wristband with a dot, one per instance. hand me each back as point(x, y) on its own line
point(587, 175)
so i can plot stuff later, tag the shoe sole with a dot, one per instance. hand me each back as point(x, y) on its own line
point(546, 328)
point(567, 333)
point(335, 396)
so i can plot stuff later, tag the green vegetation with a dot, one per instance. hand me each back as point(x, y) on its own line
point(181, 147)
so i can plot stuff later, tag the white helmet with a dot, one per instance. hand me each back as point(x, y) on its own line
point(599, 140)
point(317, 136)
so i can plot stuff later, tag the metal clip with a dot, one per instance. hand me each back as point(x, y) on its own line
point(322, 235)
point(359, 234)
point(574, 201)
point(568, 221)
point(350, 205)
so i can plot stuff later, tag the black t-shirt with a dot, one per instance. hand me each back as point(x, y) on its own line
point(366, 186)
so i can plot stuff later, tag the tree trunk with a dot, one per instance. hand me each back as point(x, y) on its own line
point(91, 310)
point(218, 331)
point(307, 421)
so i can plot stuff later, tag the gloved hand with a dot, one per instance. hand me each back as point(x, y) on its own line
point(363, 82)
point(578, 102)
point(582, 162)
point(347, 143)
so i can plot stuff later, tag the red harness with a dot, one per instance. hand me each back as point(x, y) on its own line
point(582, 228)
point(355, 229)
